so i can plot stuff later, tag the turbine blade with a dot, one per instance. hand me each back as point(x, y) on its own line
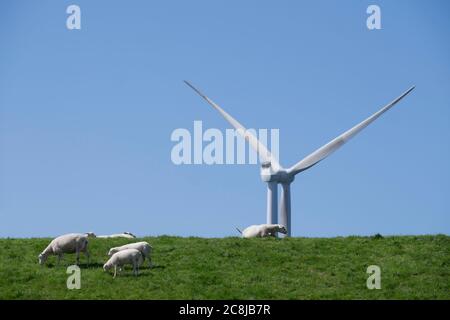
point(260, 148)
point(336, 143)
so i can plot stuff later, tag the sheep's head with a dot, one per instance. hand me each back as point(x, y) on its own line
point(106, 266)
point(112, 251)
point(282, 229)
point(91, 235)
point(42, 258)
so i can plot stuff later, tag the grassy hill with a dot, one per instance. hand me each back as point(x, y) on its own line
point(412, 267)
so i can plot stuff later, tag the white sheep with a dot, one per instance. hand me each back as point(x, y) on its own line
point(263, 230)
point(120, 258)
point(68, 243)
point(144, 247)
point(127, 235)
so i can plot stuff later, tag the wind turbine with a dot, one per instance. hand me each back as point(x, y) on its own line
point(273, 173)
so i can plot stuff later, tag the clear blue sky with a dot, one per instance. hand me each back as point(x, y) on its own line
point(86, 115)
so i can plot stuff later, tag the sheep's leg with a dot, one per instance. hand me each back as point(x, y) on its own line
point(86, 253)
point(60, 256)
point(149, 262)
point(78, 256)
point(115, 271)
point(265, 233)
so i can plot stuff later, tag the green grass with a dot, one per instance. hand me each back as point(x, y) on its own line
point(412, 267)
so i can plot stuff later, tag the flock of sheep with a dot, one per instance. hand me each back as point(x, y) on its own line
point(132, 253)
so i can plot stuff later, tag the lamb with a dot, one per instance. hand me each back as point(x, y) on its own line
point(262, 230)
point(68, 243)
point(127, 256)
point(127, 235)
point(144, 247)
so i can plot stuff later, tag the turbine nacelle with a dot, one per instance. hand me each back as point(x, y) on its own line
point(270, 174)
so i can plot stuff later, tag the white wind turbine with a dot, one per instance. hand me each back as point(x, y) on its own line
point(273, 173)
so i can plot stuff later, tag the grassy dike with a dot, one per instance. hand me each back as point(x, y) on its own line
point(412, 267)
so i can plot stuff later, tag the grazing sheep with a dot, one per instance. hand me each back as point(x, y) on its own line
point(127, 256)
point(263, 230)
point(127, 235)
point(144, 247)
point(68, 243)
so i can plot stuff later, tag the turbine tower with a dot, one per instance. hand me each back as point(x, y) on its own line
point(273, 173)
